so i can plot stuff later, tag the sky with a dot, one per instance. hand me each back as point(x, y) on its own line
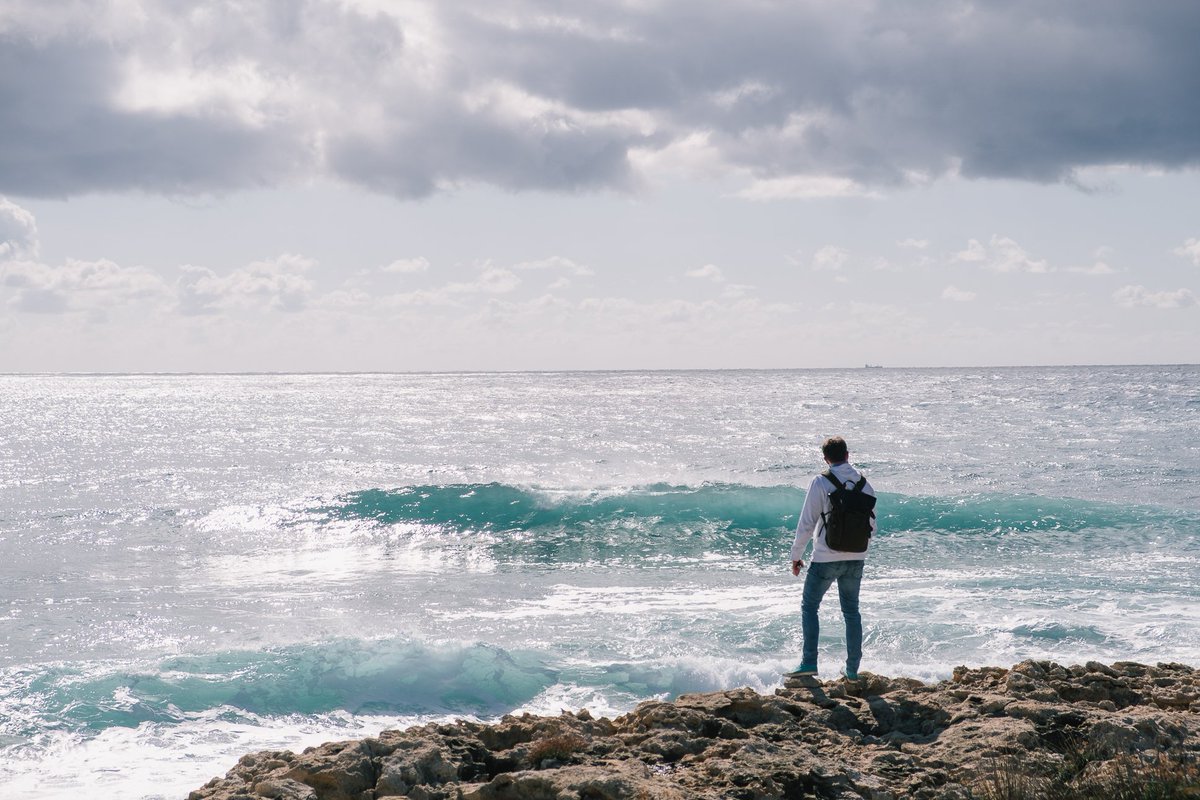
point(412, 185)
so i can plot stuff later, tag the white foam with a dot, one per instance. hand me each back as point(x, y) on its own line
point(164, 762)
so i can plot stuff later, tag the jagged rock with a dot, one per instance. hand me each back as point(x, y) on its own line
point(413, 763)
point(338, 771)
point(617, 781)
point(877, 737)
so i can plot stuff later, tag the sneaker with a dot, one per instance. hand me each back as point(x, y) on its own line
point(802, 671)
point(848, 675)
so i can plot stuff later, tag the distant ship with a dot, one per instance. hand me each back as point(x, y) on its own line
point(872, 366)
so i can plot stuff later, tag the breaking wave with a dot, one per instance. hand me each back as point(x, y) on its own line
point(495, 507)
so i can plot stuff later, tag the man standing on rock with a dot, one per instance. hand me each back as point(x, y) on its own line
point(839, 525)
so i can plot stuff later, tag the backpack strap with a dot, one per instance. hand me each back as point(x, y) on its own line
point(829, 476)
point(838, 484)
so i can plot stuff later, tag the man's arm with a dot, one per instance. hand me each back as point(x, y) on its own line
point(810, 515)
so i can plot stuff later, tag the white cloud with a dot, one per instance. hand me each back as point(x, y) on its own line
point(1008, 256)
point(956, 295)
point(555, 263)
point(805, 187)
point(95, 286)
point(419, 298)
point(1141, 297)
point(277, 284)
point(1001, 254)
point(243, 89)
point(407, 266)
point(710, 272)
point(18, 232)
point(830, 257)
point(343, 300)
point(1189, 249)
point(79, 285)
point(691, 155)
point(974, 252)
point(1103, 254)
point(491, 280)
point(1096, 268)
point(914, 243)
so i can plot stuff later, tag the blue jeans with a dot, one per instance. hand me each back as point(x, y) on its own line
point(820, 577)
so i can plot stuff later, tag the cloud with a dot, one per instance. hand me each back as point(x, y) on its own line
point(830, 257)
point(556, 263)
point(914, 243)
point(276, 284)
point(101, 285)
point(710, 272)
point(1095, 268)
point(407, 266)
point(79, 285)
point(804, 187)
point(488, 283)
point(973, 252)
point(1189, 249)
point(956, 295)
point(491, 280)
point(1001, 254)
point(1103, 254)
point(1008, 256)
point(63, 130)
point(796, 100)
point(18, 232)
point(1141, 297)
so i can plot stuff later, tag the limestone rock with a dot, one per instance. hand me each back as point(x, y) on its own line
point(876, 737)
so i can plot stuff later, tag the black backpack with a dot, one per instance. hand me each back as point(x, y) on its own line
point(848, 521)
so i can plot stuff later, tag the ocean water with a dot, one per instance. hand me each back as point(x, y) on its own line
point(193, 567)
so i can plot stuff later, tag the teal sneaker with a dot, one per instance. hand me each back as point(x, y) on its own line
point(802, 671)
point(848, 675)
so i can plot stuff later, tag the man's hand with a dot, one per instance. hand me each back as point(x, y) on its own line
point(796, 565)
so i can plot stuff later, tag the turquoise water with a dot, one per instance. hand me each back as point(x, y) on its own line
point(196, 566)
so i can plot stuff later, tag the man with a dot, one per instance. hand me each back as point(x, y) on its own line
point(828, 565)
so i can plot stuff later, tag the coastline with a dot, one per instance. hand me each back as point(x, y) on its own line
point(1029, 729)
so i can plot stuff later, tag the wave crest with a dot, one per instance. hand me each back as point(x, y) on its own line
point(362, 677)
point(496, 507)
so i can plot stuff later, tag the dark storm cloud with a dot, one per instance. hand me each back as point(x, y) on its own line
point(60, 133)
point(1025, 90)
point(555, 95)
point(455, 148)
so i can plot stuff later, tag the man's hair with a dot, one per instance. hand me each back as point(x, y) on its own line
point(834, 448)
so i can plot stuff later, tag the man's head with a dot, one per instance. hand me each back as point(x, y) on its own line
point(834, 449)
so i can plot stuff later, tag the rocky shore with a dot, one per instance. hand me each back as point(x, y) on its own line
point(1038, 729)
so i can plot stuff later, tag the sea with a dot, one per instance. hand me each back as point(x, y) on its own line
point(193, 567)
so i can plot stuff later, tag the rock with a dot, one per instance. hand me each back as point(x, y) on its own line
point(339, 771)
point(412, 764)
point(285, 789)
point(619, 781)
point(877, 737)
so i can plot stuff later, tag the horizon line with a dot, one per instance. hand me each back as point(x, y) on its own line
point(561, 371)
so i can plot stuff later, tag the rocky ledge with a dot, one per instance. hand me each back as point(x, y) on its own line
point(988, 732)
